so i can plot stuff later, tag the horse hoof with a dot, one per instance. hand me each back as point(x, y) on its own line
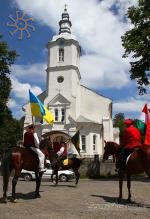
point(3, 200)
point(13, 200)
point(37, 196)
point(129, 201)
point(119, 200)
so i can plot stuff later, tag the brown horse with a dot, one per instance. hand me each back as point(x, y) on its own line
point(138, 162)
point(73, 163)
point(18, 159)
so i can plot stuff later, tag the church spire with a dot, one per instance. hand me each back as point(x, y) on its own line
point(65, 23)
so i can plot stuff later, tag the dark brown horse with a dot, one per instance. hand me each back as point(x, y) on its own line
point(138, 162)
point(18, 159)
point(72, 163)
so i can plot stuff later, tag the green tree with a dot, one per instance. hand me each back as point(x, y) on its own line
point(137, 44)
point(7, 58)
point(10, 128)
point(118, 121)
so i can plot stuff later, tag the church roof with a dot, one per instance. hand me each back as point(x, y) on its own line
point(85, 120)
point(95, 92)
point(59, 99)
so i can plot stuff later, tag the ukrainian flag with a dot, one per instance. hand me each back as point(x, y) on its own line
point(38, 109)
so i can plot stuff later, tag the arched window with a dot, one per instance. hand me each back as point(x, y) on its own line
point(83, 139)
point(94, 142)
point(62, 114)
point(56, 114)
point(61, 55)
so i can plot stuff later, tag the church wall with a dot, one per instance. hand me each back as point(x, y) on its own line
point(28, 116)
point(91, 102)
point(54, 87)
point(108, 129)
point(69, 88)
point(89, 130)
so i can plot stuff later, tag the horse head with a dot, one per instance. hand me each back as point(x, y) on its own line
point(46, 146)
point(110, 148)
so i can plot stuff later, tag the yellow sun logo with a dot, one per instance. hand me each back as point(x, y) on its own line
point(21, 24)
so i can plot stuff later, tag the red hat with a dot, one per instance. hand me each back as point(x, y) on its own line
point(128, 121)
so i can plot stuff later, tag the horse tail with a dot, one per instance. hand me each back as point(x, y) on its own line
point(79, 161)
point(6, 170)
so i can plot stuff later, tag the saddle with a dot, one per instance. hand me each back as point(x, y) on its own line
point(29, 150)
point(123, 160)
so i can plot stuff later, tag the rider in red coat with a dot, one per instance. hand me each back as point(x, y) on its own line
point(131, 140)
point(132, 136)
point(31, 141)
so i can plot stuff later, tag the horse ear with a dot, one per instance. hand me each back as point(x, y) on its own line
point(105, 141)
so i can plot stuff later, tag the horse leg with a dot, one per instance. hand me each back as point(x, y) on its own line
point(14, 183)
point(77, 175)
point(6, 170)
point(129, 187)
point(38, 176)
point(5, 186)
point(120, 188)
point(55, 173)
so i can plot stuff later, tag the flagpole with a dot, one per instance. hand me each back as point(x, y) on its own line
point(32, 120)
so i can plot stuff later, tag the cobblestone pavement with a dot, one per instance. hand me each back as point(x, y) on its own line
point(91, 199)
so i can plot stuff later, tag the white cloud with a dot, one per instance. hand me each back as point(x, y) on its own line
point(33, 73)
point(132, 104)
point(11, 103)
point(21, 90)
point(97, 29)
point(98, 72)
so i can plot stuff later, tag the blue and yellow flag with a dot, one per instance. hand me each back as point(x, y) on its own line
point(38, 109)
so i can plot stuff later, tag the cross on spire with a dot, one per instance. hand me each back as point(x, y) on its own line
point(65, 7)
point(65, 23)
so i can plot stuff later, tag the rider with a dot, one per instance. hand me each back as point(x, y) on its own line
point(61, 154)
point(31, 141)
point(131, 140)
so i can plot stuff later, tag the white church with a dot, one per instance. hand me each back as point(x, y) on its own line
point(74, 106)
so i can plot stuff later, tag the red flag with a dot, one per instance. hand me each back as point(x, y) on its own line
point(147, 136)
point(147, 121)
point(146, 111)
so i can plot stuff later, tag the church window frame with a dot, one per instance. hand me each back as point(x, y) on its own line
point(94, 142)
point(83, 143)
point(62, 114)
point(56, 115)
point(61, 54)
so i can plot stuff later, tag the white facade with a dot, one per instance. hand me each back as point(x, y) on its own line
point(73, 105)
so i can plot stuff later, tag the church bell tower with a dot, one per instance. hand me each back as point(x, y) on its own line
point(63, 74)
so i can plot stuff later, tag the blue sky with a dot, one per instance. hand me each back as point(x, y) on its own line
point(97, 25)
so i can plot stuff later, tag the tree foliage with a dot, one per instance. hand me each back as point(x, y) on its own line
point(137, 43)
point(10, 128)
point(118, 121)
point(7, 58)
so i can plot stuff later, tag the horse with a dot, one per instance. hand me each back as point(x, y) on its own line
point(138, 162)
point(20, 158)
point(72, 163)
